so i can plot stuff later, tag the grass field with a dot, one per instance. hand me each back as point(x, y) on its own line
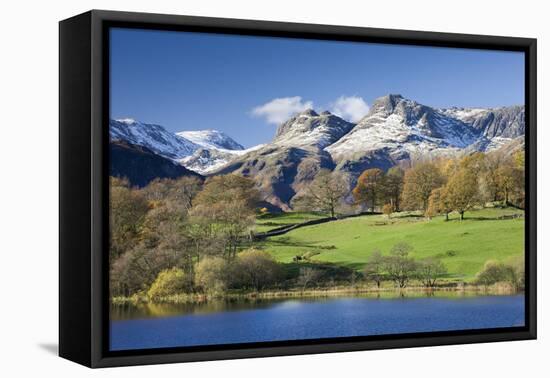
point(463, 246)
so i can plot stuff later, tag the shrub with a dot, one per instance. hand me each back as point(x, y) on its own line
point(170, 282)
point(494, 272)
point(211, 274)
point(254, 269)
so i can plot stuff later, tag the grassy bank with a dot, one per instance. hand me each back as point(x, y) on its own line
point(386, 291)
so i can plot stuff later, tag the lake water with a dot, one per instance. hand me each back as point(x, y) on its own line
point(158, 326)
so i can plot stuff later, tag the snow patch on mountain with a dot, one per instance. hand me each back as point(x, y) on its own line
point(310, 129)
point(206, 161)
point(404, 128)
point(152, 136)
point(211, 139)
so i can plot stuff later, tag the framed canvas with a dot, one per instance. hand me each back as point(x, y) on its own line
point(235, 188)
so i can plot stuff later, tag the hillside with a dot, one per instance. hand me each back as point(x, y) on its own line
point(140, 165)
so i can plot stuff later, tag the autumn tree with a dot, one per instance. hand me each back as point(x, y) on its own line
point(180, 192)
point(462, 191)
point(519, 177)
point(324, 193)
point(493, 168)
point(127, 211)
point(370, 188)
point(394, 186)
point(419, 182)
point(438, 203)
point(226, 207)
point(511, 179)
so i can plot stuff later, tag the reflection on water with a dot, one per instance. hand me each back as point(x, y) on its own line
point(130, 311)
point(257, 320)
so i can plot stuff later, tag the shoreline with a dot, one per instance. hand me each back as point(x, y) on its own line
point(413, 291)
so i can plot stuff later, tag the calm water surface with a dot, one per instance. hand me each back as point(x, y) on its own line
point(158, 326)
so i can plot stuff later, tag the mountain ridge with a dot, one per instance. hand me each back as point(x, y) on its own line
point(395, 130)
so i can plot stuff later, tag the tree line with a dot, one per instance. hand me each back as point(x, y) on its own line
point(398, 266)
point(434, 187)
point(401, 268)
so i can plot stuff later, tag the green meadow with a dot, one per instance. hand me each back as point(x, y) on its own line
point(463, 246)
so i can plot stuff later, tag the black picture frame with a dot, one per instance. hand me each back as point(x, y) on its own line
point(83, 196)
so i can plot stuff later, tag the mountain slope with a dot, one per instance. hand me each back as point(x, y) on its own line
point(505, 122)
point(141, 165)
point(398, 129)
point(211, 139)
point(283, 167)
point(403, 128)
point(280, 172)
point(205, 161)
point(154, 137)
point(309, 129)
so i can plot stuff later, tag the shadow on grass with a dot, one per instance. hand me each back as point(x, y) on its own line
point(405, 216)
point(289, 242)
point(470, 218)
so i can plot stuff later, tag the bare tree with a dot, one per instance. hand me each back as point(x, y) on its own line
point(226, 207)
point(429, 270)
point(324, 193)
point(399, 266)
point(307, 276)
point(374, 268)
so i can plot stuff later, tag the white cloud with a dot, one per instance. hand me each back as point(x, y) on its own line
point(279, 110)
point(351, 108)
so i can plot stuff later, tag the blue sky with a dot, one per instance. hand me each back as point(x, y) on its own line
point(244, 85)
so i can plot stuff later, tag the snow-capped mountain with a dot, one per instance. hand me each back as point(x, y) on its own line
point(309, 129)
point(201, 151)
point(505, 122)
point(217, 149)
point(395, 130)
point(404, 128)
point(211, 139)
point(154, 137)
point(283, 167)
